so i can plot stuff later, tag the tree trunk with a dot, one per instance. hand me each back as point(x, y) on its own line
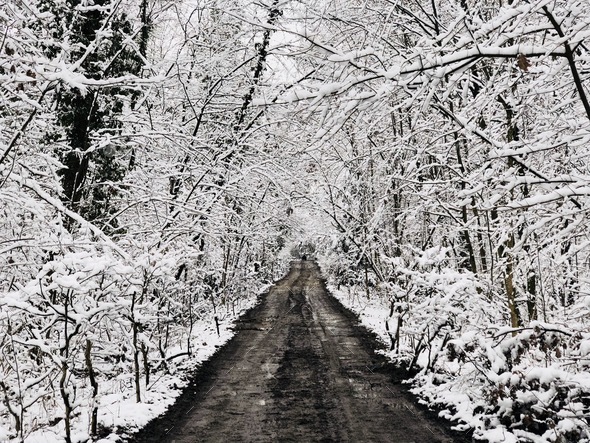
point(94, 384)
point(509, 285)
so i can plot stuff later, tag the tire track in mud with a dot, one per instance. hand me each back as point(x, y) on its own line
point(300, 369)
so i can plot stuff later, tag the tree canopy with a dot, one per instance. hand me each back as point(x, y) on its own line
point(160, 161)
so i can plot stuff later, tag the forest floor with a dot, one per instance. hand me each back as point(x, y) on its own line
point(300, 368)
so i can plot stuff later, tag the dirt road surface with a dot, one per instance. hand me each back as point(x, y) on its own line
point(300, 369)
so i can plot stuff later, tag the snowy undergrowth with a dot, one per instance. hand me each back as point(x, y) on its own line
point(119, 413)
point(93, 342)
point(526, 385)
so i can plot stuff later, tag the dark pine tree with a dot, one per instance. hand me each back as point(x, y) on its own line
point(90, 174)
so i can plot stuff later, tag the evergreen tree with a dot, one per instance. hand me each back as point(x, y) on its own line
point(96, 36)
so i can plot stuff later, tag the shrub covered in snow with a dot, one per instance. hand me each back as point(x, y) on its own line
point(528, 384)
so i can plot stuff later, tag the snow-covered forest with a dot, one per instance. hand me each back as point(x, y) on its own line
point(162, 161)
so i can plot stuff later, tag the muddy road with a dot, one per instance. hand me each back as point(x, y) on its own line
point(299, 369)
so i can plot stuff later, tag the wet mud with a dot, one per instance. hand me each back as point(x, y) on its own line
point(300, 369)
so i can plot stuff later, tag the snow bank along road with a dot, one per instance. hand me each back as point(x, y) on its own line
point(299, 369)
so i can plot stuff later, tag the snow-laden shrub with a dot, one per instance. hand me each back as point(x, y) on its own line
point(80, 330)
point(529, 384)
point(428, 308)
point(526, 384)
point(48, 326)
point(522, 385)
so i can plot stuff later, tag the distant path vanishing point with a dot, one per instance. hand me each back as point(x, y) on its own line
point(299, 369)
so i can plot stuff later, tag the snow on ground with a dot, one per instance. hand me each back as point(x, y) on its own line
point(372, 312)
point(118, 409)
